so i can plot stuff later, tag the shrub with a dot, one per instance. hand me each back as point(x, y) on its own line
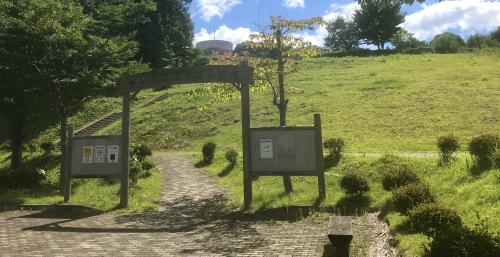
point(483, 147)
point(447, 43)
point(398, 176)
point(448, 145)
point(496, 158)
point(464, 242)
point(208, 151)
point(232, 156)
point(135, 171)
point(354, 183)
point(139, 152)
point(335, 148)
point(430, 219)
point(48, 147)
point(25, 177)
point(409, 196)
point(147, 165)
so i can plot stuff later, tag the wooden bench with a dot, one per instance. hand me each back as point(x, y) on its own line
point(340, 234)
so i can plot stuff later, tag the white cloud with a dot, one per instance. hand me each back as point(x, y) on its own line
point(336, 10)
point(211, 8)
point(235, 36)
point(464, 16)
point(294, 3)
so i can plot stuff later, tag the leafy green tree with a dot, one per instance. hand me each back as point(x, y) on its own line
point(496, 34)
point(447, 43)
point(279, 36)
point(378, 21)
point(342, 35)
point(404, 40)
point(480, 41)
point(47, 50)
point(162, 28)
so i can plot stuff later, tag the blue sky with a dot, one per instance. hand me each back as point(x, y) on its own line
point(234, 20)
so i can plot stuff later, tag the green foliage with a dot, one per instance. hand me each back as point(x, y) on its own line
point(208, 151)
point(483, 147)
point(342, 35)
point(140, 152)
point(496, 158)
point(354, 183)
point(397, 176)
point(465, 242)
point(335, 148)
point(480, 41)
point(231, 156)
point(28, 176)
point(447, 42)
point(48, 146)
point(404, 41)
point(407, 197)
point(378, 21)
point(448, 145)
point(496, 34)
point(431, 219)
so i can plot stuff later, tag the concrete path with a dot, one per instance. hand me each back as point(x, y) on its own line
point(193, 220)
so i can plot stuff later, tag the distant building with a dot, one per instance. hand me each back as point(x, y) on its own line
point(210, 47)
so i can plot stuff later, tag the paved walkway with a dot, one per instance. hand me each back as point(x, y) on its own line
point(193, 220)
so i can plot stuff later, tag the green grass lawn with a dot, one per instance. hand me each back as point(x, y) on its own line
point(97, 193)
point(377, 104)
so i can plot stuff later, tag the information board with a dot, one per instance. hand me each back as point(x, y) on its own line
point(283, 150)
point(96, 156)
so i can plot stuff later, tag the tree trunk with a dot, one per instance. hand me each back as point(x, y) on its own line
point(63, 139)
point(283, 102)
point(16, 137)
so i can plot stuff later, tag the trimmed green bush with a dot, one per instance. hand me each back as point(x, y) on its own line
point(447, 145)
point(409, 196)
point(447, 43)
point(139, 152)
point(231, 156)
point(354, 183)
point(482, 148)
point(48, 147)
point(432, 218)
point(398, 176)
point(208, 151)
point(335, 147)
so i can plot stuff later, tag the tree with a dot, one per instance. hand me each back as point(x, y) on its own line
point(447, 43)
point(378, 21)
point(342, 35)
point(62, 64)
point(496, 34)
point(162, 28)
point(404, 40)
point(480, 41)
point(278, 36)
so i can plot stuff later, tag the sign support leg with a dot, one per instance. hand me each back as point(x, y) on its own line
point(125, 150)
point(319, 157)
point(245, 128)
point(67, 168)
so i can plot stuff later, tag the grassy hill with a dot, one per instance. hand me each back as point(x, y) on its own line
point(377, 104)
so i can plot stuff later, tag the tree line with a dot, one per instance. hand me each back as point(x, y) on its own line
point(55, 55)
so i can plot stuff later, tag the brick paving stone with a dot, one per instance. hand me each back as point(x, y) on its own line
point(193, 220)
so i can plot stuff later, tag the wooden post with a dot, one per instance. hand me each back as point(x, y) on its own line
point(340, 234)
point(245, 132)
point(319, 156)
point(67, 168)
point(125, 150)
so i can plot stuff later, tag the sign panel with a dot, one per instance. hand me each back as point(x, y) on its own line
point(99, 154)
point(88, 154)
point(266, 149)
point(283, 151)
point(96, 156)
point(113, 154)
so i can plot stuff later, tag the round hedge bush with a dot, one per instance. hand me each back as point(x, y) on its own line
point(354, 183)
point(397, 177)
point(231, 156)
point(208, 151)
point(411, 195)
point(447, 145)
point(483, 147)
point(432, 218)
